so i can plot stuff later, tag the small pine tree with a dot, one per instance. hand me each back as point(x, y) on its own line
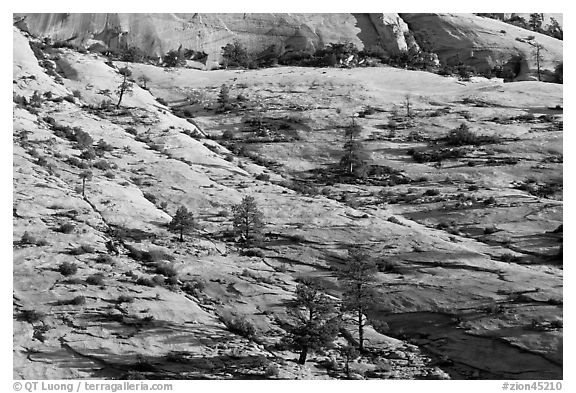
point(316, 322)
point(355, 157)
point(182, 222)
point(126, 86)
point(247, 218)
point(349, 353)
point(224, 99)
point(85, 176)
point(356, 277)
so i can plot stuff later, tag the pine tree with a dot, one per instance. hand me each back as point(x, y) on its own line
point(355, 157)
point(356, 277)
point(316, 321)
point(247, 218)
point(535, 22)
point(182, 222)
point(224, 99)
point(126, 86)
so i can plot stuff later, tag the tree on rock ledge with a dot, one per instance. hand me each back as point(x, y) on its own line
point(247, 218)
point(126, 86)
point(316, 320)
point(182, 222)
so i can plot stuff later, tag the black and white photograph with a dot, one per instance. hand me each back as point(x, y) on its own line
point(287, 196)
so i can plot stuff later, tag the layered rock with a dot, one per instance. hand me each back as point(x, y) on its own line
point(483, 42)
point(159, 33)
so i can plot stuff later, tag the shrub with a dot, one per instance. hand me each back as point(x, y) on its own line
point(88, 154)
point(462, 136)
point(239, 325)
point(67, 268)
point(77, 301)
point(194, 287)
point(271, 370)
point(31, 316)
point(104, 259)
point(65, 228)
point(490, 230)
point(235, 55)
point(83, 249)
point(95, 279)
point(166, 269)
point(432, 192)
point(158, 280)
point(124, 299)
point(253, 252)
point(508, 257)
point(145, 281)
point(490, 201)
point(103, 146)
point(227, 135)
point(263, 177)
point(27, 238)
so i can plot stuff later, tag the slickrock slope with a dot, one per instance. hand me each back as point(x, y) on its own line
point(453, 300)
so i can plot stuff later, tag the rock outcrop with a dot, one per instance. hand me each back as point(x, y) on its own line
point(483, 42)
point(467, 38)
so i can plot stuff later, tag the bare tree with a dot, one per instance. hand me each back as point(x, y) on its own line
point(537, 54)
point(408, 105)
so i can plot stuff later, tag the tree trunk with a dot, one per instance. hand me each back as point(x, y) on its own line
point(181, 235)
point(83, 187)
point(360, 332)
point(303, 354)
point(120, 99)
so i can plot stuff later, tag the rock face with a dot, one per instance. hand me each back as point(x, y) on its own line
point(158, 33)
point(468, 38)
point(483, 42)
